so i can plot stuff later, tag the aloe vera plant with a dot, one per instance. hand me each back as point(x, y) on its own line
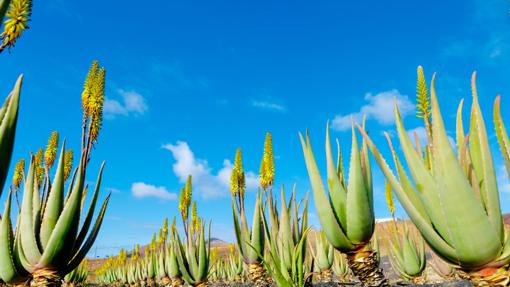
point(78, 276)
point(234, 266)
point(471, 235)
point(286, 235)
point(347, 213)
point(406, 252)
point(407, 255)
point(250, 241)
point(193, 254)
point(323, 255)
point(48, 241)
point(341, 267)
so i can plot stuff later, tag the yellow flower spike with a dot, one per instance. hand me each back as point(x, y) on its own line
point(182, 204)
point(18, 16)
point(39, 166)
point(237, 178)
point(51, 150)
point(423, 106)
point(68, 163)
point(195, 221)
point(188, 190)
point(165, 229)
point(96, 103)
point(160, 237)
point(153, 243)
point(19, 172)
point(174, 226)
point(389, 198)
point(214, 254)
point(88, 87)
point(231, 249)
point(267, 164)
point(92, 99)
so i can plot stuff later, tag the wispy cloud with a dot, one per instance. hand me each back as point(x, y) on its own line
point(113, 190)
point(131, 103)
point(142, 190)
point(488, 25)
point(205, 181)
point(378, 107)
point(269, 106)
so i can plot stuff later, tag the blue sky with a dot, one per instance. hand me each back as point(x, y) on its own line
point(190, 81)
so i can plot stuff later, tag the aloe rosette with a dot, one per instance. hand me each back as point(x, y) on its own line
point(193, 257)
point(346, 213)
point(341, 267)
point(192, 253)
point(78, 276)
point(323, 255)
point(406, 249)
point(453, 199)
point(407, 255)
point(250, 240)
point(286, 236)
point(49, 240)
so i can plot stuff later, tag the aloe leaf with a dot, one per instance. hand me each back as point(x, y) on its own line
point(367, 170)
point(9, 119)
point(54, 203)
point(468, 222)
point(257, 236)
point(19, 256)
point(405, 182)
point(8, 270)
point(28, 240)
point(331, 226)
point(423, 180)
point(422, 223)
point(502, 135)
point(411, 258)
point(483, 164)
point(90, 214)
point(237, 230)
point(460, 135)
point(62, 239)
point(360, 220)
point(78, 258)
point(183, 264)
point(4, 4)
point(337, 192)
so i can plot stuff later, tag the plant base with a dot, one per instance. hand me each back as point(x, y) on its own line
point(176, 282)
point(46, 278)
point(257, 274)
point(365, 267)
point(165, 281)
point(325, 276)
point(487, 277)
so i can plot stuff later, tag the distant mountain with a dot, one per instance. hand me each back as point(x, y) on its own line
point(217, 242)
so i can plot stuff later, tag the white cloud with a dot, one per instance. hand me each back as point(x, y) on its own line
point(132, 103)
point(269, 106)
point(141, 190)
point(205, 182)
point(378, 108)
